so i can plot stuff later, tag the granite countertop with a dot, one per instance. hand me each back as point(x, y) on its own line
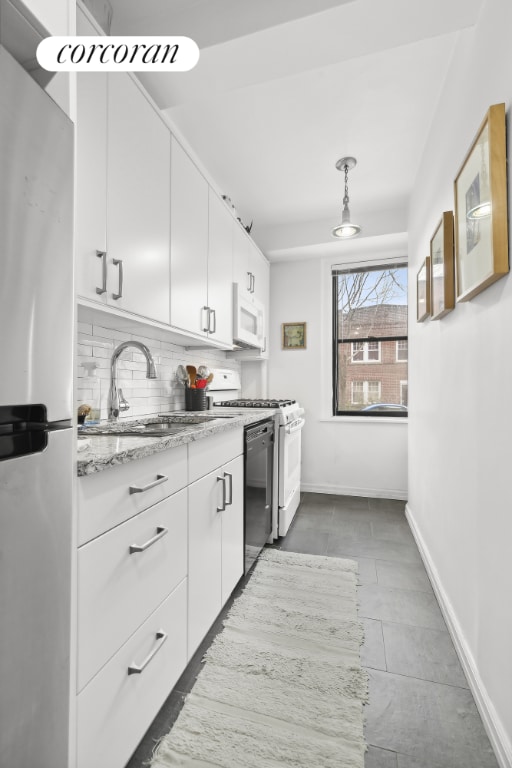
point(99, 452)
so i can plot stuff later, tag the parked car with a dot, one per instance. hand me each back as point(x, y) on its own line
point(385, 407)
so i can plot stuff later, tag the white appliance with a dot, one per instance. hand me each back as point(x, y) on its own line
point(36, 436)
point(289, 421)
point(248, 320)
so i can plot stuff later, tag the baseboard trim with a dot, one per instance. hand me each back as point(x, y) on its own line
point(499, 741)
point(342, 490)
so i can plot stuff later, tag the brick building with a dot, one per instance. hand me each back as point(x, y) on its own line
point(372, 367)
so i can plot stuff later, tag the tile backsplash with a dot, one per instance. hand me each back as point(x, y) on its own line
point(96, 343)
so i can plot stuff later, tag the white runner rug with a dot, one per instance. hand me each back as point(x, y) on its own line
point(282, 685)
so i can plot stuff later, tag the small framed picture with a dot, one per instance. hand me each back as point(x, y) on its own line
point(293, 335)
point(423, 291)
point(442, 268)
point(481, 218)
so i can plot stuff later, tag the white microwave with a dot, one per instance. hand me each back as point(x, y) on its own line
point(248, 320)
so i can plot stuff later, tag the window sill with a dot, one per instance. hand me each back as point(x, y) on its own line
point(366, 419)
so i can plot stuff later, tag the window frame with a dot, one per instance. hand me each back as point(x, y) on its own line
point(335, 272)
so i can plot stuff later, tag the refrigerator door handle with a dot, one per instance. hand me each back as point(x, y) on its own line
point(103, 256)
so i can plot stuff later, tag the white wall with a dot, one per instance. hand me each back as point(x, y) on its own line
point(460, 369)
point(354, 456)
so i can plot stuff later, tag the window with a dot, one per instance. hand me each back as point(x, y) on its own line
point(366, 352)
point(365, 392)
point(401, 350)
point(370, 331)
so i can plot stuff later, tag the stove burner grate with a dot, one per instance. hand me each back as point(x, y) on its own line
point(261, 403)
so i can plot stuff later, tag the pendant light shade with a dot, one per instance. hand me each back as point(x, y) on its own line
point(346, 229)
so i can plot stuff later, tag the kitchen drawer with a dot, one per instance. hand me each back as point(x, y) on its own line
point(206, 455)
point(116, 708)
point(117, 590)
point(105, 499)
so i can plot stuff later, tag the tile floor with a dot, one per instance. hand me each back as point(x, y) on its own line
point(421, 712)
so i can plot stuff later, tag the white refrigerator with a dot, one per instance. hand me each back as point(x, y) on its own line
point(36, 435)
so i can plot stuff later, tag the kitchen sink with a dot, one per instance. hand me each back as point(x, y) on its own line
point(185, 418)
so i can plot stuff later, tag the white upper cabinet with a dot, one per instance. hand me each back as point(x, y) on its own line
point(220, 270)
point(250, 268)
point(122, 194)
point(91, 176)
point(138, 201)
point(201, 253)
point(241, 272)
point(259, 269)
point(189, 244)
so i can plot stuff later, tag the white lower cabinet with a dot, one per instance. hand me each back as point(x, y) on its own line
point(233, 529)
point(160, 551)
point(116, 708)
point(132, 568)
point(215, 546)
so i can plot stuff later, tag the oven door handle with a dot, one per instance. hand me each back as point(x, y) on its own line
point(295, 427)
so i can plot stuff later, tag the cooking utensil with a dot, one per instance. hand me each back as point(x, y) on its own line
point(192, 374)
point(182, 375)
point(203, 372)
point(209, 380)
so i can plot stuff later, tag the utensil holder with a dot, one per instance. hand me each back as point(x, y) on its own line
point(195, 399)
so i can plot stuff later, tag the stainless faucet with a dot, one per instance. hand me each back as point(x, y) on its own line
point(116, 401)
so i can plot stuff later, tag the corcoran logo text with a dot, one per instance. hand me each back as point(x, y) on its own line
point(117, 54)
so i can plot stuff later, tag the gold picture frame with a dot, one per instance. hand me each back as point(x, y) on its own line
point(481, 218)
point(442, 268)
point(423, 291)
point(293, 335)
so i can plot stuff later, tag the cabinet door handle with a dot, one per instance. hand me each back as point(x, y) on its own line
point(223, 481)
point(205, 326)
point(103, 256)
point(160, 533)
point(119, 263)
point(136, 669)
point(250, 282)
point(226, 502)
point(212, 313)
point(264, 348)
point(142, 488)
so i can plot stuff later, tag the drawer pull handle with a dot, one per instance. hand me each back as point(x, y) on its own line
point(160, 533)
point(141, 488)
point(136, 669)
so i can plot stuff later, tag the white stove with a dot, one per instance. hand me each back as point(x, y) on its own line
point(288, 410)
point(289, 421)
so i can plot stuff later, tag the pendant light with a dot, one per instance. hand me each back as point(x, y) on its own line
point(346, 229)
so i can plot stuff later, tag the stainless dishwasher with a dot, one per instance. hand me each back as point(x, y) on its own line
point(259, 462)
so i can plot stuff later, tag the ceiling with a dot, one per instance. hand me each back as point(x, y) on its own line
point(283, 88)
